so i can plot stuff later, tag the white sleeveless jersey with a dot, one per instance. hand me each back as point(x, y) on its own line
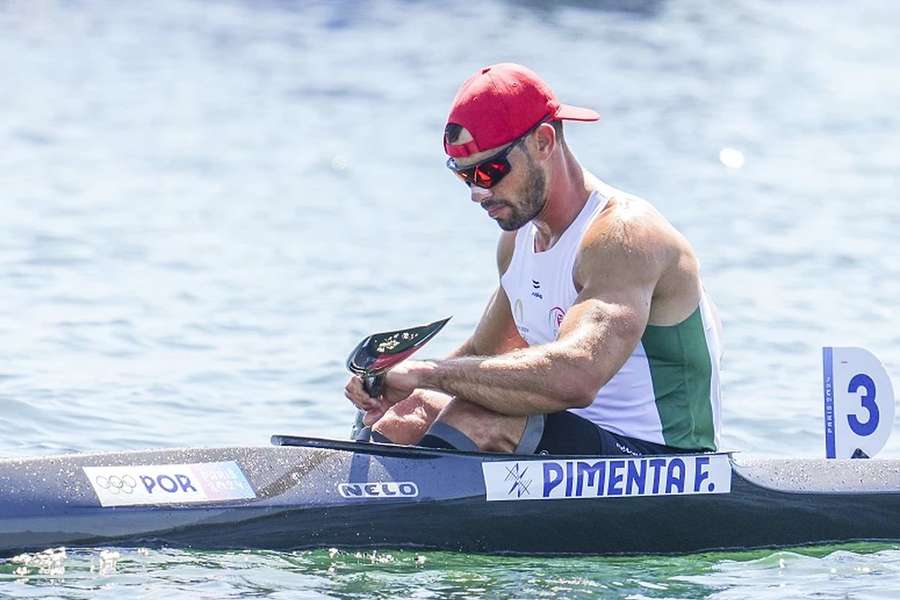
point(667, 392)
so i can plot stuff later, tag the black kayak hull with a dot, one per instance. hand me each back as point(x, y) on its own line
point(329, 493)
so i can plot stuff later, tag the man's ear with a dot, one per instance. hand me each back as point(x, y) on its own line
point(545, 139)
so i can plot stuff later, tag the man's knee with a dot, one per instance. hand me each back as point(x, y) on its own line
point(407, 421)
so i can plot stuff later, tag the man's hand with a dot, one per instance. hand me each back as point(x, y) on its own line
point(399, 383)
point(373, 407)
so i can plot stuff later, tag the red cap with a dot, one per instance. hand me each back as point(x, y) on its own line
point(502, 102)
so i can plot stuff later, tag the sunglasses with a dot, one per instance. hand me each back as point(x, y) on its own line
point(490, 171)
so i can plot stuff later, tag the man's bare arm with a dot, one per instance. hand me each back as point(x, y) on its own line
point(618, 272)
point(496, 332)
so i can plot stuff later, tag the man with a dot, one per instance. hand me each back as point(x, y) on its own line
point(599, 339)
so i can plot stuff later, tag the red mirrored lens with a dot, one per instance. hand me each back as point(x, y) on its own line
point(483, 179)
point(489, 174)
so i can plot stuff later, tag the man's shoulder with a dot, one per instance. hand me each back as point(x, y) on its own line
point(628, 239)
point(629, 224)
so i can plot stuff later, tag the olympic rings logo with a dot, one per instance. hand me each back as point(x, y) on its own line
point(115, 484)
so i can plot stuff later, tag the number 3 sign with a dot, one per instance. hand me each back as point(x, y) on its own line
point(859, 402)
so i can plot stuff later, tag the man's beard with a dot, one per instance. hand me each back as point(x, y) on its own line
point(535, 197)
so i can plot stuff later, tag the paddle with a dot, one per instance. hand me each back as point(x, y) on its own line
point(379, 352)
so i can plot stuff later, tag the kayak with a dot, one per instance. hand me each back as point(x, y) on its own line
point(305, 492)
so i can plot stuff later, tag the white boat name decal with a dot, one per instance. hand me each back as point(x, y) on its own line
point(607, 477)
point(135, 485)
point(379, 489)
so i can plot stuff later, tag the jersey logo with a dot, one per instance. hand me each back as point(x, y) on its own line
point(556, 317)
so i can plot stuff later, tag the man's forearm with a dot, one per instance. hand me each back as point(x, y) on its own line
point(522, 382)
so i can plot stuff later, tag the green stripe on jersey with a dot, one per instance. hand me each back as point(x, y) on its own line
point(680, 367)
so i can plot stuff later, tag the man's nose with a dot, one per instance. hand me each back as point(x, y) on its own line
point(479, 194)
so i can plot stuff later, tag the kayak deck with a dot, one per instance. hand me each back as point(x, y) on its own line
point(313, 493)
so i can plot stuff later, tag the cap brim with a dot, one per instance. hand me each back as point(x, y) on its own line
point(576, 113)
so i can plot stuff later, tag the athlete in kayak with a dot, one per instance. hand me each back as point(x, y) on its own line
point(599, 338)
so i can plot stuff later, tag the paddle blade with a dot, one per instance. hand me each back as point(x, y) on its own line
point(380, 351)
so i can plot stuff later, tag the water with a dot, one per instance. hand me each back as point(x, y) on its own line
point(864, 571)
point(205, 206)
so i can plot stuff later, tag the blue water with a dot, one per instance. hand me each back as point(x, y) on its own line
point(206, 205)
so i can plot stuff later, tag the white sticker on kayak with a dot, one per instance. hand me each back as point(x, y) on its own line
point(607, 477)
point(169, 484)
